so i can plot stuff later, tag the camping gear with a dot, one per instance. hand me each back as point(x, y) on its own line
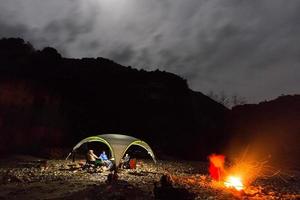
point(118, 145)
point(132, 163)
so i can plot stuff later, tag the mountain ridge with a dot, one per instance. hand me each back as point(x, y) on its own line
point(56, 101)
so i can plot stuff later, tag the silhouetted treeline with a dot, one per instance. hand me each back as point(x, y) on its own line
point(49, 101)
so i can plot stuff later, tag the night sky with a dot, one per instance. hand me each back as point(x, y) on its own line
point(245, 47)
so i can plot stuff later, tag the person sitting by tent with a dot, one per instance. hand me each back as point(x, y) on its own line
point(125, 162)
point(91, 157)
point(105, 160)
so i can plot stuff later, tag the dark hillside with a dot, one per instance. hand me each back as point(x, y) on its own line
point(272, 127)
point(48, 101)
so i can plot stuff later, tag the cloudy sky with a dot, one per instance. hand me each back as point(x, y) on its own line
point(245, 47)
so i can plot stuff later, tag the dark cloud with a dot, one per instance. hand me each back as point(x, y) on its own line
point(13, 30)
point(241, 47)
point(123, 54)
point(71, 26)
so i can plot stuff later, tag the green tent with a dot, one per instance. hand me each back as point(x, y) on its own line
point(118, 145)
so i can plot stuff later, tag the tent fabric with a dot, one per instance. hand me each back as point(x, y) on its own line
point(118, 145)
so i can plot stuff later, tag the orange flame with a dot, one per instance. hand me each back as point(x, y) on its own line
point(217, 173)
point(234, 182)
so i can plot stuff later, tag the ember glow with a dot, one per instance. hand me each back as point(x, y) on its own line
point(234, 182)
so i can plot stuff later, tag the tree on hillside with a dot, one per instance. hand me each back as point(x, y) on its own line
point(228, 101)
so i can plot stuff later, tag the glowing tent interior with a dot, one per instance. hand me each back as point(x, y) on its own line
point(118, 145)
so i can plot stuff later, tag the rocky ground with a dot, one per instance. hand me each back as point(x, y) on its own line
point(25, 177)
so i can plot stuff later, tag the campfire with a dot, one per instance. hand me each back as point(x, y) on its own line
point(219, 174)
point(234, 182)
point(239, 175)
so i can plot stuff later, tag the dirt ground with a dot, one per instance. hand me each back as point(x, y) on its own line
point(25, 177)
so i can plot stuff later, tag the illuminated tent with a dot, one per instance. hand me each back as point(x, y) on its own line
point(118, 145)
